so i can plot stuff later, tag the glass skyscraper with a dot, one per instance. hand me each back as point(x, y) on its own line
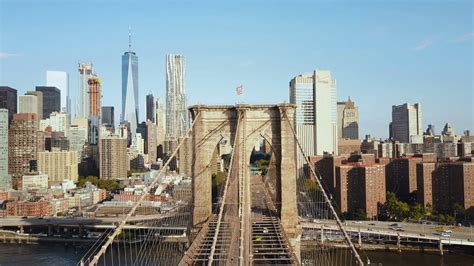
point(51, 100)
point(60, 80)
point(130, 88)
point(316, 113)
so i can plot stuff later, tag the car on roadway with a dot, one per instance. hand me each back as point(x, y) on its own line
point(443, 234)
point(357, 222)
point(372, 224)
point(448, 231)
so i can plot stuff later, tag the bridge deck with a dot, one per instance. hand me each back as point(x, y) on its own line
point(269, 245)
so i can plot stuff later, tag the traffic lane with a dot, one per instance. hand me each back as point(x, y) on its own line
point(422, 229)
point(411, 228)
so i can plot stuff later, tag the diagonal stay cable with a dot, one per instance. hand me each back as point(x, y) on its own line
point(326, 198)
point(122, 224)
point(221, 209)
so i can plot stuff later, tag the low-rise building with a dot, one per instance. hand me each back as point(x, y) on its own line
point(59, 206)
point(34, 181)
point(87, 196)
point(39, 207)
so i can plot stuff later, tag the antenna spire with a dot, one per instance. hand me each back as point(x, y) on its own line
point(129, 38)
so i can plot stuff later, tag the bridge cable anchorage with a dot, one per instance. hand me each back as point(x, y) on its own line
point(135, 205)
point(223, 201)
point(326, 198)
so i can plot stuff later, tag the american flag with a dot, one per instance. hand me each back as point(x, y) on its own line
point(239, 90)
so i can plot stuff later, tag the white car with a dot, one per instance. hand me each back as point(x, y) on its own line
point(443, 234)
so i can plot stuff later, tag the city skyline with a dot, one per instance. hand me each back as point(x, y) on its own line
point(264, 61)
point(262, 132)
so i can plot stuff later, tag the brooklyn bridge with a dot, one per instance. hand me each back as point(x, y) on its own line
point(254, 219)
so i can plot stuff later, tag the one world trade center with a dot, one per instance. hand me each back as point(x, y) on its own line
point(130, 88)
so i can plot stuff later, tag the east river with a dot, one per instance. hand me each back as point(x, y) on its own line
point(55, 254)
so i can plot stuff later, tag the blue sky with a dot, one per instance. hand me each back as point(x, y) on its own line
point(381, 52)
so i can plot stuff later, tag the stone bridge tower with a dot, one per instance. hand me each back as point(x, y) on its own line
point(272, 122)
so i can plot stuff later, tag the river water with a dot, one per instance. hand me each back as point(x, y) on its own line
point(55, 254)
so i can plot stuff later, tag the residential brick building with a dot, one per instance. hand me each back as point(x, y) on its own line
point(40, 207)
point(447, 183)
point(360, 186)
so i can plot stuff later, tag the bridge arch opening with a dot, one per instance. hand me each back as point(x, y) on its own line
point(245, 125)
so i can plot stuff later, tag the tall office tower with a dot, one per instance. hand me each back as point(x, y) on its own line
point(94, 109)
point(316, 113)
point(406, 125)
point(347, 120)
point(302, 94)
point(160, 122)
point(60, 80)
point(39, 102)
point(326, 112)
point(8, 100)
point(108, 117)
point(130, 87)
point(150, 108)
point(150, 145)
point(28, 104)
point(51, 100)
point(5, 179)
point(85, 72)
point(22, 143)
point(177, 119)
point(113, 157)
